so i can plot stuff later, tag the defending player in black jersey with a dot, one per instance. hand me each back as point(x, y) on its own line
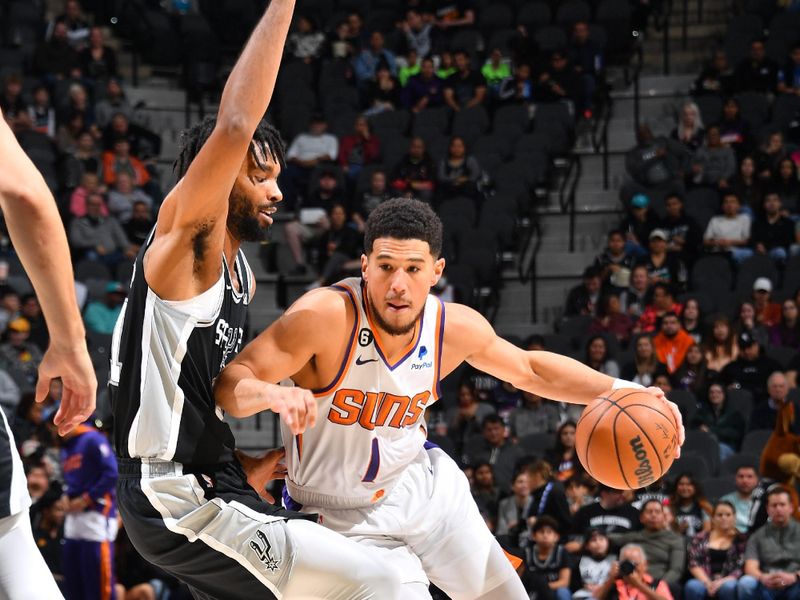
point(183, 494)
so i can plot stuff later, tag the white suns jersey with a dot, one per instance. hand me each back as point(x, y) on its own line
point(370, 422)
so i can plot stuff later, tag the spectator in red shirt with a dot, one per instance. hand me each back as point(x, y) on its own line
point(120, 160)
point(662, 303)
point(672, 342)
point(359, 149)
point(768, 313)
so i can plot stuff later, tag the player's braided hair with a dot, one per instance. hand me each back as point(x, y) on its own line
point(404, 219)
point(266, 137)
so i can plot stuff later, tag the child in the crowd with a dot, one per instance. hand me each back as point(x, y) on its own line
point(548, 564)
point(594, 564)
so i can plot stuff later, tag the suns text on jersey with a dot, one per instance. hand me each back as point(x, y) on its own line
point(376, 409)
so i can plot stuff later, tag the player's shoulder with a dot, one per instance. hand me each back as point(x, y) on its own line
point(324, 304)
point(465, 326)
point(461, 315)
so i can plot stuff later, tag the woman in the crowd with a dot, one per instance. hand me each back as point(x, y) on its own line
point(717, 416)
point(720, 348)
point(548, 496)
point(511, 524)
point(747, 187)
point(692, 375)
point(597, 356)
point(562, 458)
point(787, 332)
point(691, 509)
point(692, 320)
point(716, 557)
point(594, 565)
point(786, 184)
point(689, 130)
point(486, 493)
point(645, 365)
point(611, 319)
point(458, 173)
point(769, 156)
point(747, 320)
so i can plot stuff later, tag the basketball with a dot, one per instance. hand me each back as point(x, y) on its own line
point(626, 439)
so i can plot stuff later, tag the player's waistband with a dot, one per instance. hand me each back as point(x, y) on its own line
point(148, 468)
point(307, 497)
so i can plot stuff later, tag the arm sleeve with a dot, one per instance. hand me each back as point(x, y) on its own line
point(751, 549)
point(677, 561)
point(107, 467)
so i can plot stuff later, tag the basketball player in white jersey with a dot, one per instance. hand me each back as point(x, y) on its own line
point(38, 236)
point(373, 350)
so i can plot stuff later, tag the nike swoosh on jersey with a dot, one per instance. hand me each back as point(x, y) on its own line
point(360, 361)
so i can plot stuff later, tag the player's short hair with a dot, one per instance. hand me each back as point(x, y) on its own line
point(404, 219)
point(265, 137)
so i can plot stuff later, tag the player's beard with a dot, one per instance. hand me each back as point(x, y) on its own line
point(393, 330)
point(243, 220)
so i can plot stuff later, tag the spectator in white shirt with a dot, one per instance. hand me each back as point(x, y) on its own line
point(306, 151)
point(730, 231)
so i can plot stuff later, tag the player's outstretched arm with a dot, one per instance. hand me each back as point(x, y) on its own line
point(41, 243)
point(545, 374)
point(194, 213)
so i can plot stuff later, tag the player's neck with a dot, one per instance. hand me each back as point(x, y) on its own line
point(231, 248)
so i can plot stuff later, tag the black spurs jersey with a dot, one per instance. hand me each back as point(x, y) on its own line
point(14, 495)
point(164, 358)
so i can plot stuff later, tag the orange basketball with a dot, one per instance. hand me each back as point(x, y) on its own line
point(626, 439)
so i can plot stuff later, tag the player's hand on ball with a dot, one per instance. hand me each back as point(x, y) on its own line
point(676, 412)
point(296, 406)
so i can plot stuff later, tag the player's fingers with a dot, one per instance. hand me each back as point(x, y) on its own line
point(302, 411)
point(268, 497)
point(311, 408)
point(42, 386)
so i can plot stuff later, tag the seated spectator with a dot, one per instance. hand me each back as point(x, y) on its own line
point(78, 101)
point(418, 32)
point(746, 481)
point(31, 310)
point(693, 375)
point(306, 151)
point(758, 72)
point(583, 299)
point(86, 154)
point(306, 42)
point(365, 64)
point(634, 299)
point(691, 510)
point(645, 365)
point(123, 195)
point(666, 550)
point(691, 319)
point(734, 132)
point(90, 184)
point(465, 88)
point(68, 133)
point(730, 231)
point(716, 557)
point(12, 102)
point(768, 313)
point(42, 113)
point(340, 45)
point(747, 186)
point(548, 496)
point(769, 155)
point(746, 321)
point(610, 319)
point(716, 78)
point(765, 413)
point(672, 342)
point(98, 61)
point(558, 82)
point(97, 237)
point(144, 144)
point(459, 172)
point(447, 65)
point(358, 36)
point(501, 453)
point(632, 578)
point(536, 415)
point(55, 59)
point(119, 160)
point(495, 70)
point(453, 16)
point(424, 90)
point(586, 57)
point(713, 162)
point(721, 347)
point(139, 226)
point(519, 88)
point(383, 93)
point(639, 222)
point(610, 514)
point(683, 235)
point(789, 73)
point(511, 525)
point(580, 490)
point(772, 233)
point(751, 369)
point(18, 355)
point(548, 565)
point(113, 103)
point(563, 458)
point(414, 174)
point(655, 161)
point(464, 420)
point(689, 130)
point(594, 565)
point(663, 302)
point(486, 493)
point(787, 332)
point(378, 192)
point(10, 305)
point(787, 186)
point(721, 419)
point(101, 316)
point(312, 218)
point(359, 149)
point(340, 248)
point(663, 266)
point(772, 555)
point(76, 25)
point(48, 531)
point(597, 357)
point(615, 263)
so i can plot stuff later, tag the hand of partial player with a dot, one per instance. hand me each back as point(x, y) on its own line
point(296, 406)
point(261, 470)
point(676, 412)
point(75, 369)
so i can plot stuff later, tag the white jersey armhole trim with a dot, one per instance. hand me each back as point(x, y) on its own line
point(204, 307)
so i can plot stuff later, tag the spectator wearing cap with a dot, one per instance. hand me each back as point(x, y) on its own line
point(768, 313)
point(773, 233)
point(583, 299)
point(101, 316)
point(637, 225)
point(662, 265)
point(610, 514)
point(465, 88)
point(547, 563)
point(423, 90)
point(663, 302)
point(636, 581)
point(307, 150)
point(18, 355)
point(730, 231)
point(97, 237)
point(751, 369)
point(765, 414)
point(672, 342)
point(366, 63)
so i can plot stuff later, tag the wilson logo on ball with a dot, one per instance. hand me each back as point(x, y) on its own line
point(644, 472)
